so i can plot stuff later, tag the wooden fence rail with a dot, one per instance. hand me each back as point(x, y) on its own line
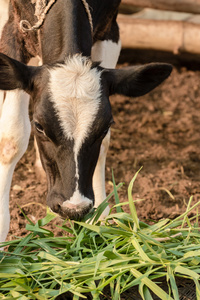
point(148, 31)
point(173, 36)
point(190, 6)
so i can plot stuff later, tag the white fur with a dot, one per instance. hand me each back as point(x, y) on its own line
point(77, 201)
point(14, 136)
point(1, 101)
point(76, 93)
point(107, 53)
point(5, 183)
point(99, 175)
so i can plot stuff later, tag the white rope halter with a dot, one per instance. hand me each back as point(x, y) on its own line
point(41, 10)
point(87, 8)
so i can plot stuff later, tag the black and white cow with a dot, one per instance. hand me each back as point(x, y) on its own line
point(69, 94)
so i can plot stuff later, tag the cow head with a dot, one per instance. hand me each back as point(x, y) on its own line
point(71, 117)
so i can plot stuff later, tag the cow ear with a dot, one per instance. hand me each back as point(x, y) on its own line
point(14, 74)
point(137, 81)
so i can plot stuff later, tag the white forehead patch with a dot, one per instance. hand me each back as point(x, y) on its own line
point(75, 89)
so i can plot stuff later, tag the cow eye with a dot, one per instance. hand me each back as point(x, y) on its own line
point(39, 127)
point(105, 131)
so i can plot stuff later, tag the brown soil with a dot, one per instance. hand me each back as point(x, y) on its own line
point(159, 132)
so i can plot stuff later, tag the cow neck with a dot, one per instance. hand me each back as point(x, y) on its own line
point(67, 35)
point(41, 10)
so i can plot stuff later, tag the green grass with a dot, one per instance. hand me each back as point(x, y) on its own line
point(120, 254)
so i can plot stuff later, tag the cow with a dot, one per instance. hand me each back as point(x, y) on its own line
point(78, 45)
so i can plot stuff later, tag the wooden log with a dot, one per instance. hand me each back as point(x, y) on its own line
point(128, 9)
point(3, 13)
point(172, 36)
point(189, 6)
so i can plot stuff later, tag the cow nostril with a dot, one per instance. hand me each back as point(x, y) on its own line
point(57, 206)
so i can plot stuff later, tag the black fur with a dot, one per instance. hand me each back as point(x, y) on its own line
point(137, 81)
point(15, 75)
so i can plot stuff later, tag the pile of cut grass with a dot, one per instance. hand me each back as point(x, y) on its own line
point(120, 255)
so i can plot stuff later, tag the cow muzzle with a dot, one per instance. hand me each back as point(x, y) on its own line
point(75, 208)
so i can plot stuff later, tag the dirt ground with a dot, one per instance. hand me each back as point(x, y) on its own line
point(159, 132)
